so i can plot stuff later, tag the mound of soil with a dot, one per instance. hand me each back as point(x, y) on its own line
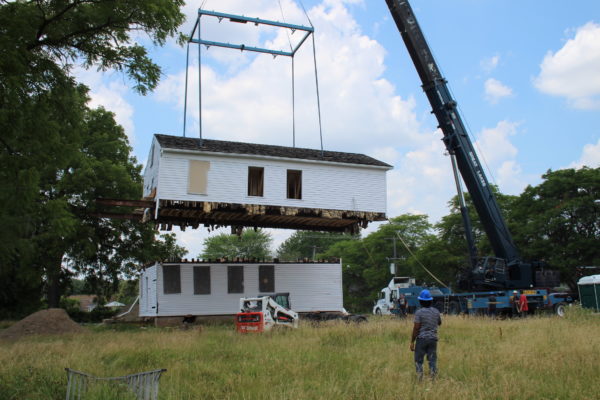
point(45, 322)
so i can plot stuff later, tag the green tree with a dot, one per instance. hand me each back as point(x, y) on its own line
point(128, 291)
point(558, 221)
point(366, 261)
point(251, 244)
point(307, 244)
point(49, 139)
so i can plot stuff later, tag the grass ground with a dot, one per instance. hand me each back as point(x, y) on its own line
point(535, 358)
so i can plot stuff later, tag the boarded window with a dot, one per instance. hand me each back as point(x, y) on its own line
point(294, 184)
point(235, 279)
point(202, 280)
point(198, 177)
point(266, 278)
point(255, 181)
point(171, 279)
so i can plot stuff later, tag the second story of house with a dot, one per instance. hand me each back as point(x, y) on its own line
point(191, 169)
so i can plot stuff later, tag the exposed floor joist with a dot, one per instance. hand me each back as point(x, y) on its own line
point(213, 215)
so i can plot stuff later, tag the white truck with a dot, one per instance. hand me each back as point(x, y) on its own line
point(388, 296)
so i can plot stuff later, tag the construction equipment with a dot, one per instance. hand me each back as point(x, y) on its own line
point(506, 270)
point(260, 314)
point(491, 279)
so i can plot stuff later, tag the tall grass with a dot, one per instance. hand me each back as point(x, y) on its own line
point(535, 358)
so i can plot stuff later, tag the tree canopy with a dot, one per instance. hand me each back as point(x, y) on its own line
point(56, 154)
point(558, 221)
point(308, 245)
point(251, 244)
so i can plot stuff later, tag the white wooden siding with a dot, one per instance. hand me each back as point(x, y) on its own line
point(327, 186)
point(148, 295)
point(312, 287)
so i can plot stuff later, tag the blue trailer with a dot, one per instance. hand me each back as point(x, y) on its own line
point(495, 302)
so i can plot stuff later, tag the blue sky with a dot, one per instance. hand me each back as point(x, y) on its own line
point(525, 75)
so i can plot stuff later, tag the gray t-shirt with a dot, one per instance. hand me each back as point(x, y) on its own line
point(429, 318)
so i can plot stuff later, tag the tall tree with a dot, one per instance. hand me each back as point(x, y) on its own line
point(251, 244)
point(46, 129)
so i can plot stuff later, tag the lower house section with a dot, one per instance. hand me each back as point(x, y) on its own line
point(201, 288)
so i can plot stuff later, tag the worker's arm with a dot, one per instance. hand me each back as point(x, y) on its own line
point(415, 333)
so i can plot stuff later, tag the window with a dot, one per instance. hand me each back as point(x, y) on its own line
point(171, 279)
point(294, 184)
point(198, 176)
point(235, 279)
point(202, 280)
point(255, 181)
point(266, 278)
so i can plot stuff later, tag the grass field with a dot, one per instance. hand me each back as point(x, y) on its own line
point(537, 358)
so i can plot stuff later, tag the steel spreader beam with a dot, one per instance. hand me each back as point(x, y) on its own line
point(308, 30)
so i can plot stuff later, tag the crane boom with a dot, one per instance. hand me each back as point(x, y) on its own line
point(507, 270)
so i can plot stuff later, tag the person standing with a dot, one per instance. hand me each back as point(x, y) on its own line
point(402, 304)
point(514, 303)
point(424, 335)
point(523, 305)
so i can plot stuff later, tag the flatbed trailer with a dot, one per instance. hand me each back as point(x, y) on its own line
point(470, 303)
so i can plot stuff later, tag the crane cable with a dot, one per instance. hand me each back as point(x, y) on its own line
point(419, 262)
point(316, 76)
point(293, 80)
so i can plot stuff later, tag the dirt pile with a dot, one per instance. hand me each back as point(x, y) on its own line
point(46, 322)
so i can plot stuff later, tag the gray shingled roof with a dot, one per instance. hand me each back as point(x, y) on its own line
point(221, 146)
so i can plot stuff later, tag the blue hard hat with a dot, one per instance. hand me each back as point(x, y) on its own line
point(425, 295)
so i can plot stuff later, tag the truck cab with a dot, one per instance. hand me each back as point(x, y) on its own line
point(388, 296)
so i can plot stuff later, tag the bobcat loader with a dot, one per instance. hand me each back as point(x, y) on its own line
point(260, 314)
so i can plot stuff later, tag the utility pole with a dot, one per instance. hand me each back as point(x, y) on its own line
point(314, 247)
point(395, 255)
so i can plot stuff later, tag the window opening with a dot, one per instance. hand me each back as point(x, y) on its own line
point(266, 278)
point(235, 279)
point(171, 279)
point(255, 181)
point(294, 184)
point(202, 280)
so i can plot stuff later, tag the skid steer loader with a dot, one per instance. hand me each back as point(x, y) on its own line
point(260, 314)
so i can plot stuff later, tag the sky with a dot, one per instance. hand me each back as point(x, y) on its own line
point(525, 76)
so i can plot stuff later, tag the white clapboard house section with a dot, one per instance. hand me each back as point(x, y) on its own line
point(190, 169)
point(202, 289)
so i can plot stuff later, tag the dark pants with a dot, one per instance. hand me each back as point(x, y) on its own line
point(425, 347)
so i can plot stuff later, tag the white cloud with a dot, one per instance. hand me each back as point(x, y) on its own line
point(494, 143)
point(590, 156)
point(499, 156)
point(361, 110)
point(572, 72)
point(489, 64)
point(109, 92)
point(422, 181)
point(496, 90)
